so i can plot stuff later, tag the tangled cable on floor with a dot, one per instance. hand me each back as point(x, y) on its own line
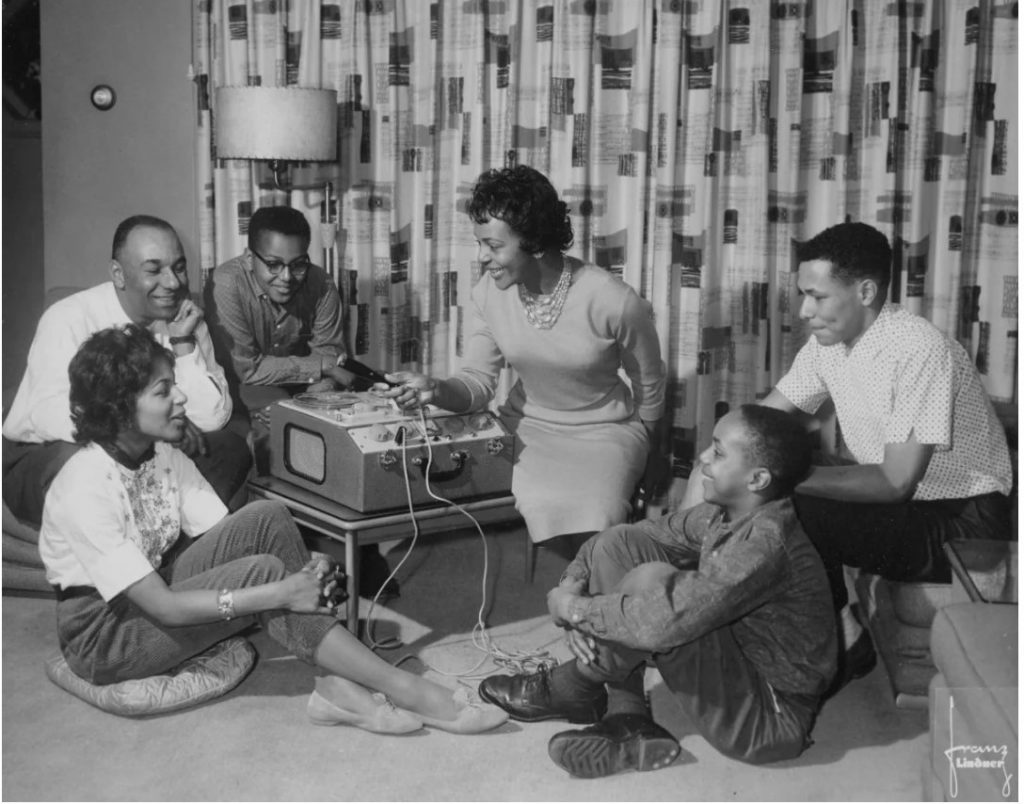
point(515, 661)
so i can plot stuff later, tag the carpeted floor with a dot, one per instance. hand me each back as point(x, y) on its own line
point(256, 744)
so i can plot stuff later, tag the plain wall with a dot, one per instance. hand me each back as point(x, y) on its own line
point(22, 244)
point(100, 167)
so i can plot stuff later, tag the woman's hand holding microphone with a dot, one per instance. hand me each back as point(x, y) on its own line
point(412, 390)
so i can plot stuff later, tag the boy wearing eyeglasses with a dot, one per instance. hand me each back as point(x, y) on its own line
point(278, 328)
point(276, 318)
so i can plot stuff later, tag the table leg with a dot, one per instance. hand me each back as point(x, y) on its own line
point(352, 571)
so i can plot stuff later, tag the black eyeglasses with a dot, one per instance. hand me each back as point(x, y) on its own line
point(297, 267)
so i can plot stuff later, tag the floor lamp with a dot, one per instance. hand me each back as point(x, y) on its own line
point(281, 125)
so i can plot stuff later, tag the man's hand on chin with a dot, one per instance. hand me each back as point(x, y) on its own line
point(185, 321)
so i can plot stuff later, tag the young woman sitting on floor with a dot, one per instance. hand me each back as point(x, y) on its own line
point(150, 569)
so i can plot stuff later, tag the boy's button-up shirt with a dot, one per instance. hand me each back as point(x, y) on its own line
point(265, 343)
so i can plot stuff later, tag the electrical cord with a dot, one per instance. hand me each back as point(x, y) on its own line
point(516, 661)
point(394, 642)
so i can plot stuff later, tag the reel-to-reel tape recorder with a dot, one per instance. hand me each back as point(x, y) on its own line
point(358, 449)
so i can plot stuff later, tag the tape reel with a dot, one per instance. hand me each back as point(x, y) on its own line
point(326, 400)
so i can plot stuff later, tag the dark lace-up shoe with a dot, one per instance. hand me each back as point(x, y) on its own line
point(618, 743)
point(528, 697)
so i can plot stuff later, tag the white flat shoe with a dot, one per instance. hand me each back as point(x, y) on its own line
point(474, 716)
point(351, 705)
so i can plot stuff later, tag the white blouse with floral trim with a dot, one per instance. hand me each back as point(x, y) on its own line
point(108, 526)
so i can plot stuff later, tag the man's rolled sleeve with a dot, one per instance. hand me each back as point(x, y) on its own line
point(202, 380)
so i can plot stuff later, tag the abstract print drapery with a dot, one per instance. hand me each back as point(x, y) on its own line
point(694, 142)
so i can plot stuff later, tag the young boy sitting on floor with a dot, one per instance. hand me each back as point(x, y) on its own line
point(729, 599)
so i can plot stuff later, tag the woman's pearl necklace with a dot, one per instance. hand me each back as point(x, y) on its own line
point(543, 311)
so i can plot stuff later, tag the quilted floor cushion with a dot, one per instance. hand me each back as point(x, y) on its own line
point(201, 678)
point(22, 567)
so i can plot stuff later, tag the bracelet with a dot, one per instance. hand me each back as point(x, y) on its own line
point(176, 339)
point(226, 604)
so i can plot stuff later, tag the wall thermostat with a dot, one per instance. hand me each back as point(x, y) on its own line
point(102, 97)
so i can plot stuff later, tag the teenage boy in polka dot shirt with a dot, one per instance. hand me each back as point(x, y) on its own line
point(932, 462)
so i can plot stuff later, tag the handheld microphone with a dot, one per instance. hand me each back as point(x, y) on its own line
point(364, 372)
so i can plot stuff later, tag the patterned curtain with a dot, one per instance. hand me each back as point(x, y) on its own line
point(694, 142)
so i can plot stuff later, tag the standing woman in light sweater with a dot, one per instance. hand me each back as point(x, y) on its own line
point(585, 437)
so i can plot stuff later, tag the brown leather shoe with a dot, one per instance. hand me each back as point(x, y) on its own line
point(617, 743)
point(528, 697)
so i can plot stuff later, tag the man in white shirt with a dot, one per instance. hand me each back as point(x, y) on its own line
point(931, 459)
point(149, 286)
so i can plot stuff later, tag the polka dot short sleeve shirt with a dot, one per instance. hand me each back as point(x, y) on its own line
point(904, 376)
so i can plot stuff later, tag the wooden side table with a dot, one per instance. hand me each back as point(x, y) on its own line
point(352, 528)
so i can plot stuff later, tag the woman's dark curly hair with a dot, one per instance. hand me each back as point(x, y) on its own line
point(526, 201)
point(107, 374)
